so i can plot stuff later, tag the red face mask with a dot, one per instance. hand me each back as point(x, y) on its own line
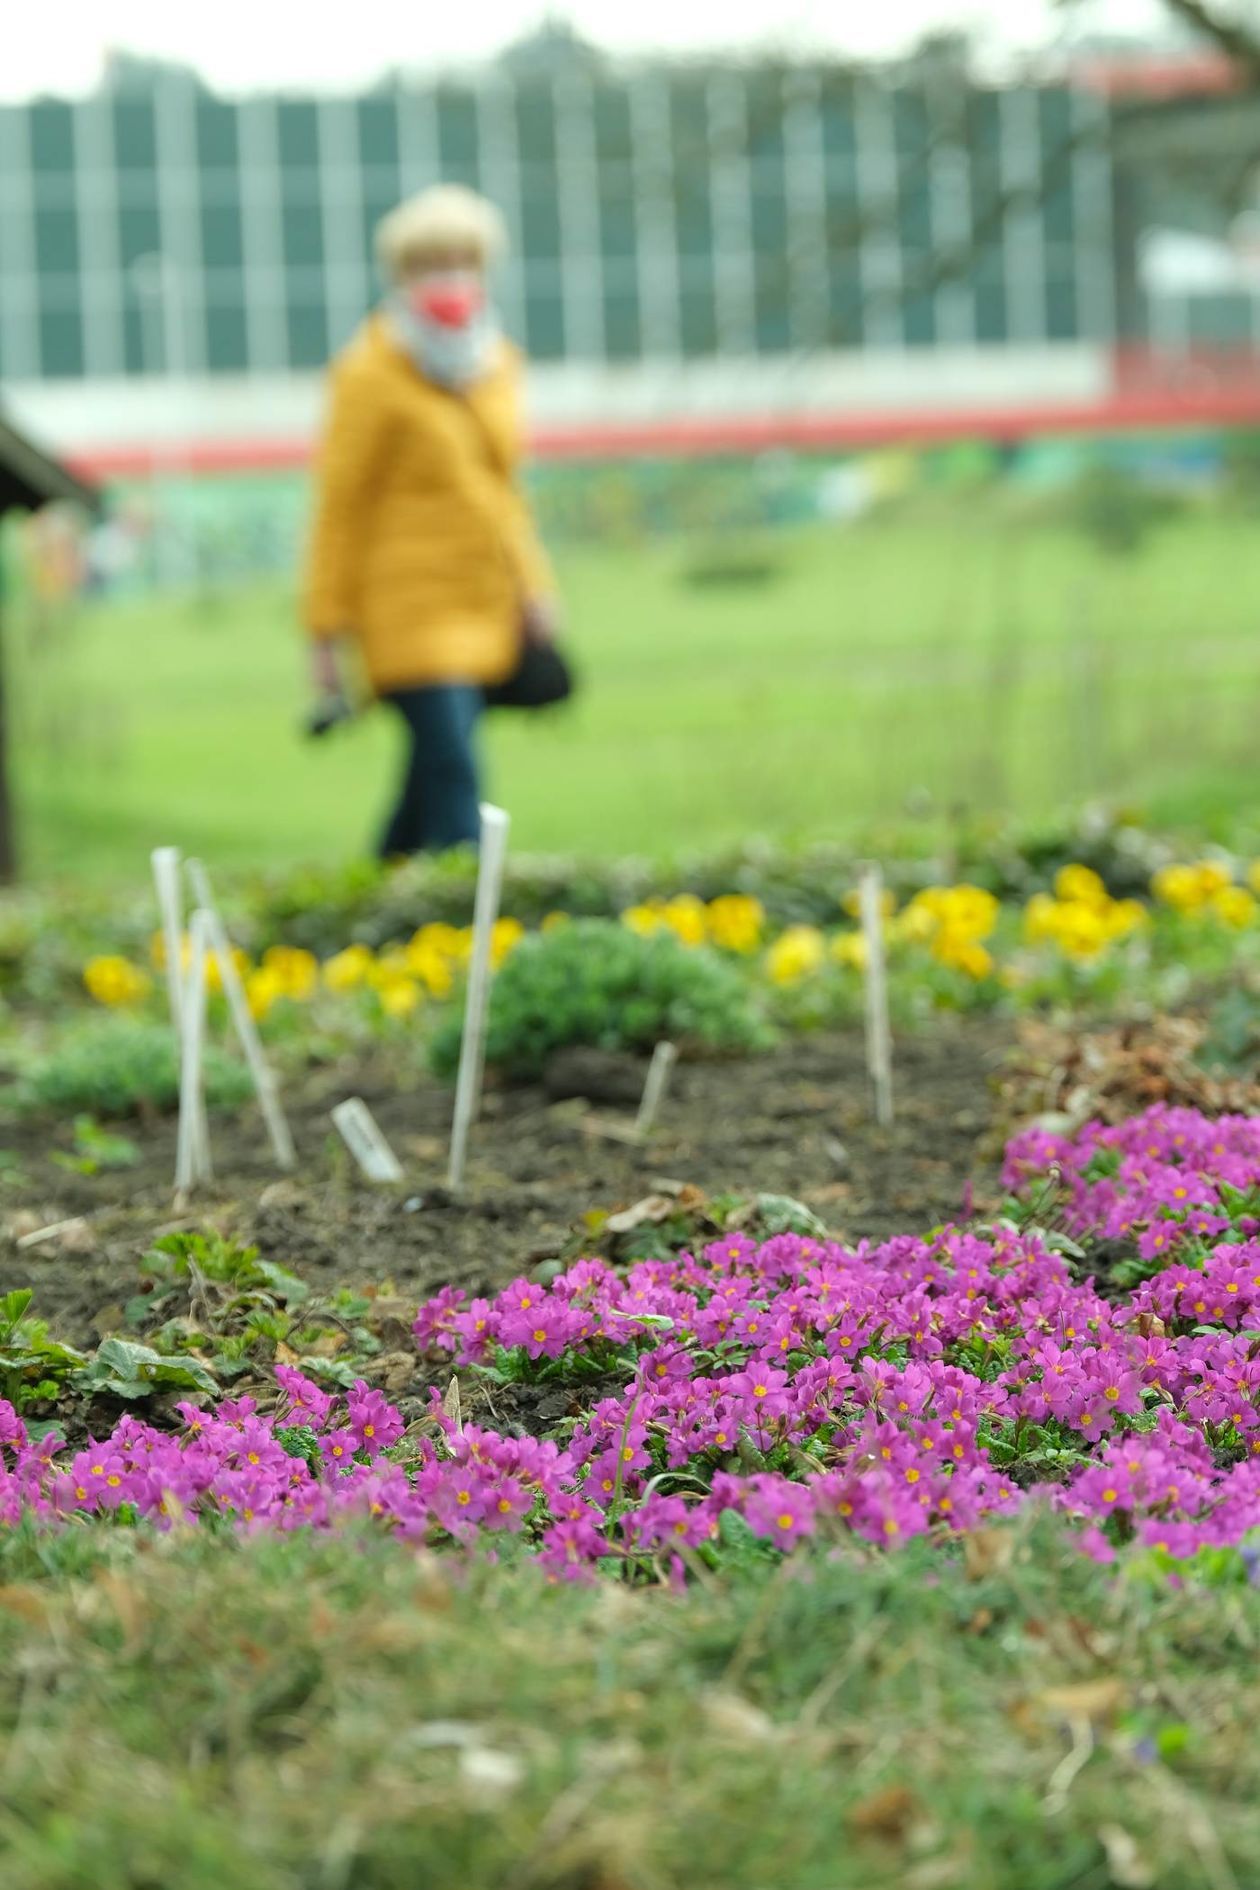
point(451, 299)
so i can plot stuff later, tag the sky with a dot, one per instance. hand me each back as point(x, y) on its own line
point(242, 44)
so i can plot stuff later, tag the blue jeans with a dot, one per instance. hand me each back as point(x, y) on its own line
point(438, 801)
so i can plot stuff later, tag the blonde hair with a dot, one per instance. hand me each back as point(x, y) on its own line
point(443, 217)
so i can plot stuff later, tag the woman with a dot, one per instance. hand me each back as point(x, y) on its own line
point(424, 557)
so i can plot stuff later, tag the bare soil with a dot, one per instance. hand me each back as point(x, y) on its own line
point(796, 1121)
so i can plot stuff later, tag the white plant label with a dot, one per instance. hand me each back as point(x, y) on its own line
point(361, 1133)
point(472, 1051)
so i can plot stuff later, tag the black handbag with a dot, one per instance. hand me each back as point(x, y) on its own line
point(541, 678)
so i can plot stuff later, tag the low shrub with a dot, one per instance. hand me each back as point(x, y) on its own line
point(117, 1066)
point(597, 982)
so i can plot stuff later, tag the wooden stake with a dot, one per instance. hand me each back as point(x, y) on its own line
point(192, 1158)
point(166, 877)
point(165, 862)
point(878, 1031)
point(660, 1068)
point(472, 1053)
point(246, 1030)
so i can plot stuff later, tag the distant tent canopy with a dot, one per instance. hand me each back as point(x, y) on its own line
point(29, 478)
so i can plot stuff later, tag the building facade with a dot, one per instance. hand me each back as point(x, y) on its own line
point(657, 213)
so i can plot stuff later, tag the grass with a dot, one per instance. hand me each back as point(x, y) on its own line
point(960, 654)
point(304, 1711)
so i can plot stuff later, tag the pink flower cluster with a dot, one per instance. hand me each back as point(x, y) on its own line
point(814, 1391)
point(1155, 1178)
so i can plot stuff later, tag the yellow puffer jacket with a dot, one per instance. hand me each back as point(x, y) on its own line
point(423, 547)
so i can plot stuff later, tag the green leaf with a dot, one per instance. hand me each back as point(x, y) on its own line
point(133, 1371)
point(13, 1307)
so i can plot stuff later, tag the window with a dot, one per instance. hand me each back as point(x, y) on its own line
point(61, 342)
point(135, 135)
point(56, 240)
point(307, 326)
point(222, 238)
point(139, 232)
point(1061, 316)
point(378, 133)
point(614, 138)
point(623, 340)
point(297, 134)
point(216, 129)
point(52, 137)
point(544, 320)
point(227, 335)
point(457, 135)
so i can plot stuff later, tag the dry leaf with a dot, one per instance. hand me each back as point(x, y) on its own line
point(987, 1552)
point(1129, 1869)
point(888, 1813)
point(731, 1716)
point(653, 1209)
point(26, 1602)
point(1085, 1702)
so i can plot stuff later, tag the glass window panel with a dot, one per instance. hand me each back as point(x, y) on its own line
point(1061, 321)
point(457, 132)
point(540, 215)
point(911, 125)
point(622, 334)
point(297, 128)
point(919, 320)
point(914, 211)
point(56, 239)
point(613, 138)
point(139, 232)
point(845, 302)
point(774, 319)
point(227, 337)
point(52, 136)
point(698, 329)
point(836, 108)
point(216, 124)
point(991, 312)
point(618, 220)
point(765, 105)
point(536, 123)
point(769, 211)
point(378, 130)
point(302, 235)
point(544, 324)
point(135, 134)
point(61, 342)
point(308, 334)
point(222, 237)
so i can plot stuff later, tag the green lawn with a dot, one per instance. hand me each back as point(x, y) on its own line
point(961, 655)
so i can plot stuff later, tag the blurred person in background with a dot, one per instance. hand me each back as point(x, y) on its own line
point(424, 563)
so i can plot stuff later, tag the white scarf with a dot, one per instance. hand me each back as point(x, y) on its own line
point(451, 357)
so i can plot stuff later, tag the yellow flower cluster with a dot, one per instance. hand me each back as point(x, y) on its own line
point(953, 922)
point(734, 922)
point(112, 980)
point(1080, 917)
point(401, 976)
point(795, 954)
point(1206, 889)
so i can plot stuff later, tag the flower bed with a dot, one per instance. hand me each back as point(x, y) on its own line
point(768, 1393)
